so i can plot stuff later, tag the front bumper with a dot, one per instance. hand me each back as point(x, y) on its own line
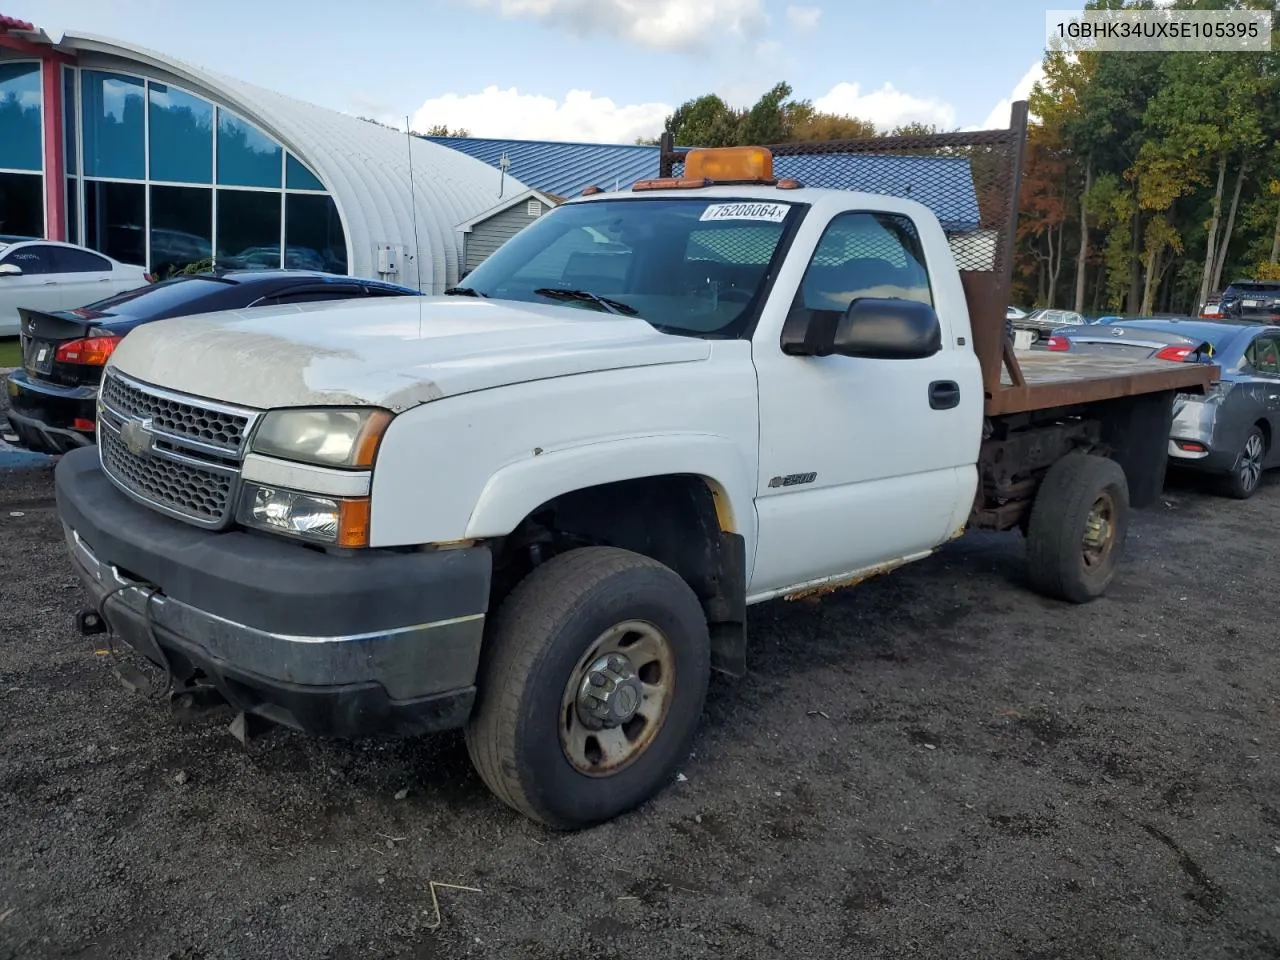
point(43, 415)
point(345, 646)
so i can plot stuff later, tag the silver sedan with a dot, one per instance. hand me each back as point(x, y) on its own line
point(1229, 432)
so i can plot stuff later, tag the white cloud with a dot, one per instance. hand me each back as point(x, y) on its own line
point(804, 18)
point(367, 105)
point(658, 24)
point(999, 115)
point(529, 116)
point(886, 107)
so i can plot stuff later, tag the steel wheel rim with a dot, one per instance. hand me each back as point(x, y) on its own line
point(598, 746)
point(1099, 532)
point(1250, 469)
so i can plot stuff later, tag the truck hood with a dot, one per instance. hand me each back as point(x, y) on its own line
point(394, 353)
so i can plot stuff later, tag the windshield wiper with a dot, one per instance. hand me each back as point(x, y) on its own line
point(464, 292)
point(586, 296)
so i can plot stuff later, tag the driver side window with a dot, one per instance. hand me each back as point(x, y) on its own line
point(860, 255)
point(864, 255)
point(32, 260)
point(1263, 356)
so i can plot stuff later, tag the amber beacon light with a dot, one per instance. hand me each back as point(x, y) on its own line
point(730, 165)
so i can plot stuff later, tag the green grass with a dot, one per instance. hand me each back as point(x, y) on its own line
point(10, 356)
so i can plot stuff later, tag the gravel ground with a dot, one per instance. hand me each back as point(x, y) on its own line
point(937, 764)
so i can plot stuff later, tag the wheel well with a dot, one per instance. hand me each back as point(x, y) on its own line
point(679, 520)
point(1265, 427)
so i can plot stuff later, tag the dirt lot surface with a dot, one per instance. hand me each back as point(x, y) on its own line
point(935, 764)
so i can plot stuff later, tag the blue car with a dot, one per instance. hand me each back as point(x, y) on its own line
point(52, 399)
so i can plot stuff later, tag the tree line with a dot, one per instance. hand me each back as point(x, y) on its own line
point(1151, 180)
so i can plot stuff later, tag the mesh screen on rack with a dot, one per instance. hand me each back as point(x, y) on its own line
point(965, 179)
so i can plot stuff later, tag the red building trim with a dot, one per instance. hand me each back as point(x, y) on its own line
point(55, 154)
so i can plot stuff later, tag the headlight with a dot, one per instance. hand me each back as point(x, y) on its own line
point(335, 521)
point(328, 437)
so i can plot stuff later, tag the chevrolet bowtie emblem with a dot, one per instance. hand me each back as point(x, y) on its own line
point(136, 435)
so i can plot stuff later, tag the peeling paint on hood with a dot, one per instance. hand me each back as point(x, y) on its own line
point(395, 353)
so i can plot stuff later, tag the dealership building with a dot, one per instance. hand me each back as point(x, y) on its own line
point(154, 161)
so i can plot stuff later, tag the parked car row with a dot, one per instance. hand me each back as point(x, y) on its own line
point(64, 347)
point(1230, 431)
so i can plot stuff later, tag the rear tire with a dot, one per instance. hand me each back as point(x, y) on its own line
point(1077, 530)
point(527, 737)
point(1246, 472)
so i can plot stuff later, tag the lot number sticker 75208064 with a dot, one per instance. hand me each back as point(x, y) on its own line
point(769, 212)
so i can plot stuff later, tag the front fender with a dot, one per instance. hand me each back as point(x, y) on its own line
point(514, 491)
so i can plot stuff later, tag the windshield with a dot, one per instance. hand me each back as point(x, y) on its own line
point(693, 266)
point(1243, 288)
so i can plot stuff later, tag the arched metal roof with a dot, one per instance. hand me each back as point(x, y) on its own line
point(365, 167)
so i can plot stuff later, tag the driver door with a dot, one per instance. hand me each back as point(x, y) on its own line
point(863, 462)
point(36, 287)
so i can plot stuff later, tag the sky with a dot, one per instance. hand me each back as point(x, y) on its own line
point(592, 70)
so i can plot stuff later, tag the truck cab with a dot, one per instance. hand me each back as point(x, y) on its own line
point(537, 508)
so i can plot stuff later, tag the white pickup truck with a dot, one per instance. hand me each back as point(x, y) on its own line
point(538, 508)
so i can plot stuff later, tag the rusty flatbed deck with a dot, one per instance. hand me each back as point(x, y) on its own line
point(1051, 380)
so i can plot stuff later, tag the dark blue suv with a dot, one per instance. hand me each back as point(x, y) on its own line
point(52, 399)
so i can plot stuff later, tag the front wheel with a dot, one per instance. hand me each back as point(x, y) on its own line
point(1078, 524)
point(591, 686)
point(1246, 473)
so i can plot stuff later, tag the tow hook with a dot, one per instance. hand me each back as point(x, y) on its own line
point(90, 623)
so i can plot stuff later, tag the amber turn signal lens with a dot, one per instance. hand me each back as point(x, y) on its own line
point(370, 436)
point(353, 522)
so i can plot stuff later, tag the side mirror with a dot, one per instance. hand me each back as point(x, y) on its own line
point(888, 330)
point(10, 270)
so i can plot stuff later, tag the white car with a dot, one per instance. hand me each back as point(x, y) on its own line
point(48, 275)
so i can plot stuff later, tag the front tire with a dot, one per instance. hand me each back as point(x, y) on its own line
point(1246, 473)
point(1078, 525)
point(592, 682)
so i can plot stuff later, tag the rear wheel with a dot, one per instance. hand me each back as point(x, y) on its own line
point(1077, 528)
point(591, 687)
point(1246, 473)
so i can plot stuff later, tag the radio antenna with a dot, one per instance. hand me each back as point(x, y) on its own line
point(413, 202)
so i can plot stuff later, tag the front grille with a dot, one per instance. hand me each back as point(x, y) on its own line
point(195, 492)
point(192, 421)
point(178, 454)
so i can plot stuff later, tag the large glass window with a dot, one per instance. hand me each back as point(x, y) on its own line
point(69, 115)
point(298, 177)
point(166, 138)
point(247, 157)
point(20, 129)
point(22, 204)
point(181, 136)
point(114, 125)
point(73, 211)
point(313, 234)
point(181, 228)
point(115, 216)
point(248, 229)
